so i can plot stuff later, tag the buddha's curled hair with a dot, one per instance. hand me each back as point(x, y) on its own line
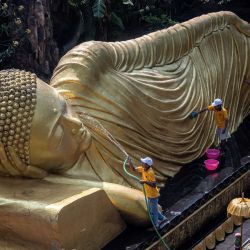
point(17, 104)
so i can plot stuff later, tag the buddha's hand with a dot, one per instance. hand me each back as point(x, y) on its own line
point(15, 167)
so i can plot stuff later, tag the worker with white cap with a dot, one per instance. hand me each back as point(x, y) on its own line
point(151, 190)
point(221, 119)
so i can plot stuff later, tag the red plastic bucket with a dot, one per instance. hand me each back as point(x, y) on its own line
point(211, 164)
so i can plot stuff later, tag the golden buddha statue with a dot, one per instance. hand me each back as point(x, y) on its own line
point(41, 134)
point(141, 91)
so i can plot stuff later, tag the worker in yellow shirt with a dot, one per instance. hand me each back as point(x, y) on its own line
point(151, 190)
point(221, 119)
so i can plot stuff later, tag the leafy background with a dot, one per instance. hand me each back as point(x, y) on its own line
point(35, 34)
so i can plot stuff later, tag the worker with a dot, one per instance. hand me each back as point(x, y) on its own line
point(151, 190)
point(221, 119)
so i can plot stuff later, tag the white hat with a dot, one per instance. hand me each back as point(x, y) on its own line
point(147, 160)
point(217, 102)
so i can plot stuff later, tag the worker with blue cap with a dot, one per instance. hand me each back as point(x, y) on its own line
point(151, 190)
point(221, 119)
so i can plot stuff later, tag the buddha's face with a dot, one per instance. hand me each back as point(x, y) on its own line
point(58, 138)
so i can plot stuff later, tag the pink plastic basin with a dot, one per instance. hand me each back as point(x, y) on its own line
point(213, 153)
point(211, 164)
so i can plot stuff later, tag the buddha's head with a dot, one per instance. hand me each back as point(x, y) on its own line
point(38, 123)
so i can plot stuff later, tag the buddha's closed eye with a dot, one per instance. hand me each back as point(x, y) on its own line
point(56, 137)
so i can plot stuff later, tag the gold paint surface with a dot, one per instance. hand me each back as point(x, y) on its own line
point(239, 207)
point(141, 91)
point(47, 214)
point(56, 131)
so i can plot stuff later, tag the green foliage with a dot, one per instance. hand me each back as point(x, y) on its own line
point(102, 10)
point(4, 29)
point(76, 3)
point(117, 21)
point(128, 2)
point(12, 29)
point(99, 9)
point(7, 53)
point(224, 1)
point(219, 2)
point(156, 22)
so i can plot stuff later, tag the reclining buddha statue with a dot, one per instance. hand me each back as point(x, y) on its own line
point(141, 91)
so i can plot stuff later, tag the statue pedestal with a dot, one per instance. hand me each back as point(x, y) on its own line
point(40, 214)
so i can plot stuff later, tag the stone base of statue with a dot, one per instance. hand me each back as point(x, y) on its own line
point(47, 215)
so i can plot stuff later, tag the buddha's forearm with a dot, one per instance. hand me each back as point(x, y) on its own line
point(130, 202)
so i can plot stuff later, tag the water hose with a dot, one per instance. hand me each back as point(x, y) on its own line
point(146, 200)
point(98, 127)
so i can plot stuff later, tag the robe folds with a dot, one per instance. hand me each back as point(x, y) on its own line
point(143, 91)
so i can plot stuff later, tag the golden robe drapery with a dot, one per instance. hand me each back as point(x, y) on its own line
point(143, 90)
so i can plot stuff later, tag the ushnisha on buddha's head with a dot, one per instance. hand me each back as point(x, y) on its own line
point(39, 132)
